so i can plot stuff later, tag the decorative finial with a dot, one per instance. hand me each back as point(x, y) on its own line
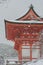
point(31, 6)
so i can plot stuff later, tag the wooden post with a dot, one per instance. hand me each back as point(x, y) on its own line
point(30, 51)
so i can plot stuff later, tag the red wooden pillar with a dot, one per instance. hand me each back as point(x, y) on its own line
point(30, 51)
point(18, 45)
point(20, 53)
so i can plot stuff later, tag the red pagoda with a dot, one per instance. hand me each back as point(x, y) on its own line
point(25, 32)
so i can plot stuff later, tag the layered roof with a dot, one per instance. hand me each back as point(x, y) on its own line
point(30, 15)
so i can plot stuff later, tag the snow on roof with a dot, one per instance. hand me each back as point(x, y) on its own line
point(32, 21)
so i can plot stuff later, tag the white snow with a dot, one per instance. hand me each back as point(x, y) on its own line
point(32, 21)
point(7, 51)
point(38, 62)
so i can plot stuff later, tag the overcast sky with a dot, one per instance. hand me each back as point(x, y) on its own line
point(14, 9)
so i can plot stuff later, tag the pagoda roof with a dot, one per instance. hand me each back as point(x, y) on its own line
point(30, 15)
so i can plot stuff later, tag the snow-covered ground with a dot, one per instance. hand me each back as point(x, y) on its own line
point(7, 51)
point(38, 62)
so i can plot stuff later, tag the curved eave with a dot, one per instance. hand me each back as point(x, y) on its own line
point(27, 14)
point(24, 22)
